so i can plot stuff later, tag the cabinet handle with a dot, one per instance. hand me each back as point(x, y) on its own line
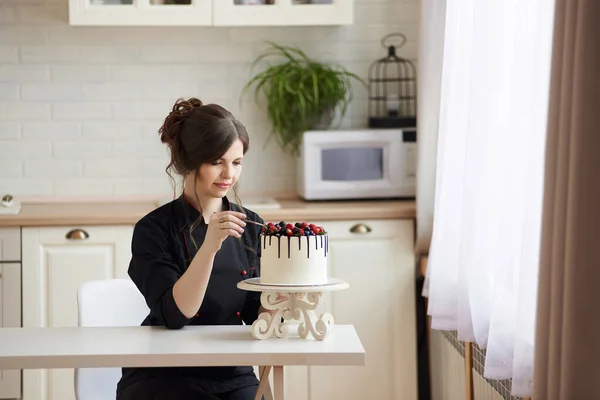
point(360, 228)
point(77, 234)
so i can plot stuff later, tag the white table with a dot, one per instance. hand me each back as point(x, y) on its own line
point(142, 346)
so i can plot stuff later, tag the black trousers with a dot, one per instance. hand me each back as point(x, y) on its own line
point(171, 388)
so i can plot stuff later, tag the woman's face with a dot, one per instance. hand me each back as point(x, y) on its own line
point(216, 178)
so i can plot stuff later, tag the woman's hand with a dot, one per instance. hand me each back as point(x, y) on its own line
point(221, 225)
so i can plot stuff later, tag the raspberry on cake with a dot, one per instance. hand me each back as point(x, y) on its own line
point(293, 254)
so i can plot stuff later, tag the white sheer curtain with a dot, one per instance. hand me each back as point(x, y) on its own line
point(483, 259)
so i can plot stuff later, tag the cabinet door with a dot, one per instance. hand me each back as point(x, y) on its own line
point(140, 12)
point(377, 259)
point(55, 262)
point(282, 12)
point(10, 316)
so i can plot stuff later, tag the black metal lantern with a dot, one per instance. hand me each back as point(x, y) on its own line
point(392, 89)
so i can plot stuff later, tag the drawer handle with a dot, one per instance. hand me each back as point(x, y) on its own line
point(360, 228)
point(77, 234)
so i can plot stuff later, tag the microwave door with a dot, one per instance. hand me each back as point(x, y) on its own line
point(352, 164)
point(354, 172)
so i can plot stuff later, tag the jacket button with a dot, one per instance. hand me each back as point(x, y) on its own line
point(237, 313)
point(244, 272)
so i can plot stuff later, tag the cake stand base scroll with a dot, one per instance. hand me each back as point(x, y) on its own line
point(289, 302)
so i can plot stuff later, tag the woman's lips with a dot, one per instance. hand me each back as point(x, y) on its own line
point(222, 185)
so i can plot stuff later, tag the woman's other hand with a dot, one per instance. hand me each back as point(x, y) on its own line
point(221, 225)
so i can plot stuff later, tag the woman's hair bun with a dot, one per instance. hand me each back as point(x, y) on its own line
point(172, 126)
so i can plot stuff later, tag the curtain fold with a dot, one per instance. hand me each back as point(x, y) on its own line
point(567, 345)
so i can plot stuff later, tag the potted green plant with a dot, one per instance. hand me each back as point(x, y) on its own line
point(301, 93)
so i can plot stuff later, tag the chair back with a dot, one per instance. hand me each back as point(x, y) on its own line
point(109, 302)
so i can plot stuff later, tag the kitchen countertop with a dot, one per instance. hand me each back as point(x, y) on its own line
point(117, 212)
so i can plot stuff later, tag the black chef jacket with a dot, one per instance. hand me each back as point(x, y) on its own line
point(162, 250)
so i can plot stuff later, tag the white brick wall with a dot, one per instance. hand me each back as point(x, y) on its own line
point(80, 107)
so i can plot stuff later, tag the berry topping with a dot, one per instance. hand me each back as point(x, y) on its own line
point(283, 228)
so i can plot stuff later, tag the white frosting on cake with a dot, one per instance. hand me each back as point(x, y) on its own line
point(293, 260)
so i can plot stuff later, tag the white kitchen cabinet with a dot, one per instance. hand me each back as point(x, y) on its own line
point(210, 12)
point(283, 13)
point(56, 260)
point(377, 259)
point(141, 12)
point(10, 316)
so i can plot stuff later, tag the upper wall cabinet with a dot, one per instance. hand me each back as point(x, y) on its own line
point(282, 12)
point(210, 12)
point(141, 12)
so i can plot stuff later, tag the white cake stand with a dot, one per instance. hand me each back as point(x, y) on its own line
point(291, 302)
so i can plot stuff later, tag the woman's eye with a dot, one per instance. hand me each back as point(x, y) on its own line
point(219, 163)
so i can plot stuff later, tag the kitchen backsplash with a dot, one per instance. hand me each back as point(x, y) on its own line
point(80, 106)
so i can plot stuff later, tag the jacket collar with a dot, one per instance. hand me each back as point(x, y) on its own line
point(189, 214)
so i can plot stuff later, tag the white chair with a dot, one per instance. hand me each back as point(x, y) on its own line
point(110, 302)
point(115, 302)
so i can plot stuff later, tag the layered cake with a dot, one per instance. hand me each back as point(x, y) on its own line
point(293, 254)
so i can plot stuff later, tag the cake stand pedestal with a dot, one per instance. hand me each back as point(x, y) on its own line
point(289, 302)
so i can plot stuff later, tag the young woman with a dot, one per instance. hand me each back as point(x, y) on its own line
point(189, 255)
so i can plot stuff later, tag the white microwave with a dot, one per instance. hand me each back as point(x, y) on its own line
point(357, 164)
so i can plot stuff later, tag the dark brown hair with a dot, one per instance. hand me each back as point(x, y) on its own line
point(198, 133)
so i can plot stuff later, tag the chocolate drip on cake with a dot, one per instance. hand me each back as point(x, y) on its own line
point(278, 246)
point(321, 241)
point(299, 230)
